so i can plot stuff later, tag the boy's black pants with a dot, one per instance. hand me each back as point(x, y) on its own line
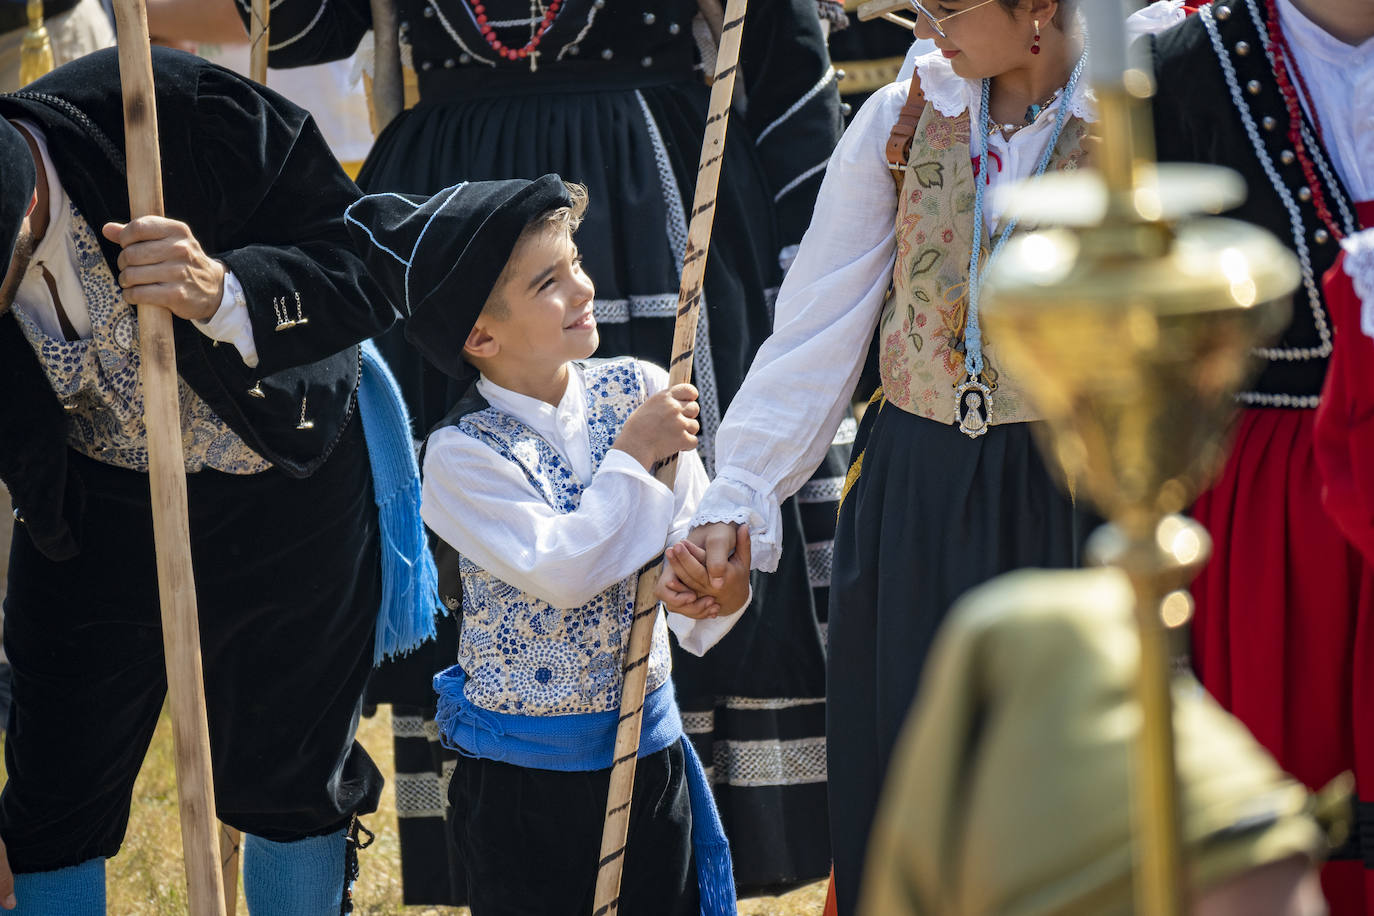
point(530, 839)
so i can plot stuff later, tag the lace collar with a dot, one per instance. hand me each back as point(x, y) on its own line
point(952, 95)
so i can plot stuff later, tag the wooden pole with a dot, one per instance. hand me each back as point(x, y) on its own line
point(258, 33)
point(167, 479)
point(617, 825)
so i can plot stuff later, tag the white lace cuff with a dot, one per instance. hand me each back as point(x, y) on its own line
point(741, 498)
point(1359, 265)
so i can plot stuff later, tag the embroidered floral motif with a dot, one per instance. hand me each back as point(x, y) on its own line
point(922, 325)
point(521, 654)
point(97, 379)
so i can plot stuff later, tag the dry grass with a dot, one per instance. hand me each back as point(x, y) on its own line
point(146, 879)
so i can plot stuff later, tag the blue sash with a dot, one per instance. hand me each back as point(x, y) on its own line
point(587, 742)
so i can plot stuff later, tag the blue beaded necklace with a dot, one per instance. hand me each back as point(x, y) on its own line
point(973, 398)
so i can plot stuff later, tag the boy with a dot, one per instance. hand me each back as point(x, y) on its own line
point(540, 479)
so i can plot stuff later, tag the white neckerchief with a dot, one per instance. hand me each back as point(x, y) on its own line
point(564, 426)
point(56, 253)
point(1340, 78)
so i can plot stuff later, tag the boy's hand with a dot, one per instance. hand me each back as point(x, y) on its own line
point(663, 425)
point(678, 598)
point(685, 574)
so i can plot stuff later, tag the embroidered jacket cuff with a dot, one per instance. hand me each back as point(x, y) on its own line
point(231, 323)
point(742, 498)
point(697, 636)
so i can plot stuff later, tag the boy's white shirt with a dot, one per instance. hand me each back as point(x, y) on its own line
point(484, 507)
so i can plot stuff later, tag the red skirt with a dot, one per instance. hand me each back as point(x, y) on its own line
point(1284, 631)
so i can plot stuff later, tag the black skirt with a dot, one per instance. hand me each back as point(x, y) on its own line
point(932, 514)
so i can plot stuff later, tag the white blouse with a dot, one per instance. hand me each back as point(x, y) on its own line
point(1340, 78)
point(484, 507)
point(781, 421)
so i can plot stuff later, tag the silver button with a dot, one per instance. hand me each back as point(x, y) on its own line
point(18, 516)
point(646, 62)
point(426, 65)
point(1242, 48)
point(574, 49)
point(465, 58)
point(1287, 157)
point(1253, 87)
point(845, 109)
point(600, 4)
point(1222, 12)
point(1304, 194)
point(607, 54)
point(1321, 236)
point(649, 18)
point(1269, 122)
point(429, 12)
point(674, 28)
point(449, 63)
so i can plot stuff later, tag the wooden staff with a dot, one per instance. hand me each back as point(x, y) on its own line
point(167, 478)
point(258, 31)
point(617, 824)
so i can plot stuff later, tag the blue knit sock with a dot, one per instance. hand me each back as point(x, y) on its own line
point(301, 878)
point(77, 890)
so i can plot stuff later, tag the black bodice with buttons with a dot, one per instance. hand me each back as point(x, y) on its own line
point(1201, 117)
point(589, 41)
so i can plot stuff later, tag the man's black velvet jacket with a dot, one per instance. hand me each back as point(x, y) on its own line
point(251, 175)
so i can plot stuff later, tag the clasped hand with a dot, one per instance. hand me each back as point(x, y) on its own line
point(163, 264)
point(707, 574)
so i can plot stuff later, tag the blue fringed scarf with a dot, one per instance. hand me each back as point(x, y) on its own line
point(587, 742)
point(410, 583)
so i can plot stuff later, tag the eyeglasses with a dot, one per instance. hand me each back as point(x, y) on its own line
point(935, 22)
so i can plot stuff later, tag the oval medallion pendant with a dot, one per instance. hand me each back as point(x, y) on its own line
point(973, 407)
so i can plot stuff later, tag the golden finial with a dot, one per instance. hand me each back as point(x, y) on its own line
point(35, 54)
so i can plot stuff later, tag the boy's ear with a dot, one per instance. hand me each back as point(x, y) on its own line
point(480, 343)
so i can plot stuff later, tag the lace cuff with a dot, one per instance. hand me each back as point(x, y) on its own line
point(1359, 266)
point(744, 502)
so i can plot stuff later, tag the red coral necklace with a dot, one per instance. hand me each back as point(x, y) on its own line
point(1286, 63)
point(479, 12)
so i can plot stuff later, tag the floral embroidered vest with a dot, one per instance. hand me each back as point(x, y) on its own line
point(98, 381)
point(522, 655)
point(921, 330)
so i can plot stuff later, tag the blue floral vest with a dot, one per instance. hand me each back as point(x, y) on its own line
point(522, 655)
point(98, 382)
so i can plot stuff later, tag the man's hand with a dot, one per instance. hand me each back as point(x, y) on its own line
point(162, 264)
point(7, 900)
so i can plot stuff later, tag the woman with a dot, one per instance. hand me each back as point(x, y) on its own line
point(947, 489)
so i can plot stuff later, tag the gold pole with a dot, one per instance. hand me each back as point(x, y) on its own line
point(1131, 327)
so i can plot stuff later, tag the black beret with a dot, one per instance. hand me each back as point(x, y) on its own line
point(19, 176)
point(438, 258)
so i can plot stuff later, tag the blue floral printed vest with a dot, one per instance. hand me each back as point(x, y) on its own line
point(522, 655)
point(97, 380)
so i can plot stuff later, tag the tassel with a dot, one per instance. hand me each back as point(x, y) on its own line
point(35, 55)
point(410, 582)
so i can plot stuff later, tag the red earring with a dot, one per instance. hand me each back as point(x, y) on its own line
point(1035, 42)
